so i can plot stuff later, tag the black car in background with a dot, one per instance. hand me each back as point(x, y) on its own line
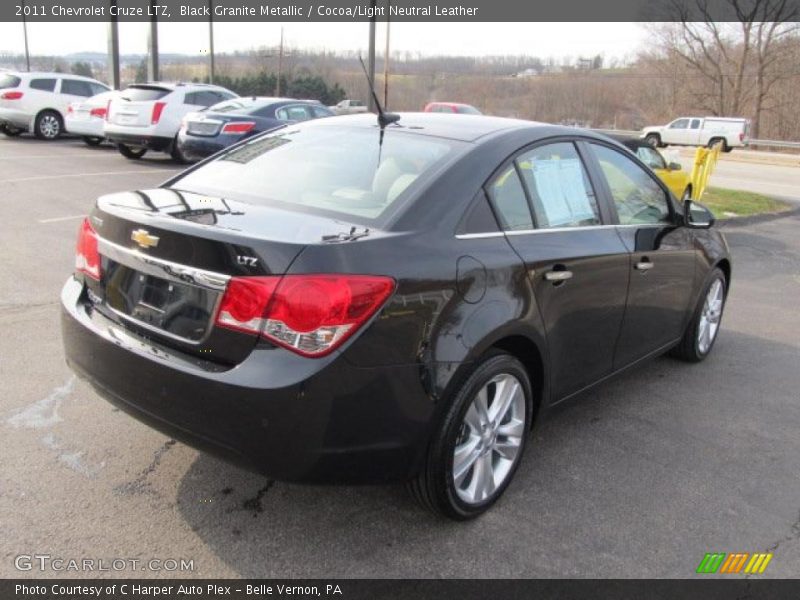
point(336, 301)
point(205, 132)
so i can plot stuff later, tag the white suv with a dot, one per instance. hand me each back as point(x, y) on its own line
point(38, 102)
point(147, 116)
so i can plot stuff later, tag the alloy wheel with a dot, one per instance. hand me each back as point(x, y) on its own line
point(490, 439)
point(49, 126)
point(710, 317)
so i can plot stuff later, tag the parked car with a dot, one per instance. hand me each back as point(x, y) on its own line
point(37, 102)
point(349, 107)
point(147, 116)
point(451, 107)
point(672, 174)
point(87, 118)
point(331, 302)
point(700, 131)
point(205, 132)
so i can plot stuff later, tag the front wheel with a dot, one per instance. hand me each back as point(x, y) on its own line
point(131, 152)
point(474, 455)
point(700, 335)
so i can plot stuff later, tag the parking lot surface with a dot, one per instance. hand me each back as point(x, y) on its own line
point(638, 478)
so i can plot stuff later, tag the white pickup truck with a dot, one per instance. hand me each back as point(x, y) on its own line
point(349, 107)
point(700, 131)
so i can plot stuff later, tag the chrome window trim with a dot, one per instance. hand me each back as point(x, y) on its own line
point(492, 234)
point(165, 269)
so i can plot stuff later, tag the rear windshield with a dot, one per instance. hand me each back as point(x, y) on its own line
point(143, 94)
point(9, 81)
point(323, 169)
point(231, 105)
point(468, 110)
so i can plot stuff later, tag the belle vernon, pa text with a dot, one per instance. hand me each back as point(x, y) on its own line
point(155, 591)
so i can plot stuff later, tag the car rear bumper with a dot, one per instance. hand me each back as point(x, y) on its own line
point(16, 118)
point(196, 148)
point(288, 417)
point(143, 140)
point(85, 127)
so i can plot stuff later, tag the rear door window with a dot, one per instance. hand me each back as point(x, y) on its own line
point(75, 87)
point(297, 112)
point(559, 187)
point(44, 85)
point(9, 81)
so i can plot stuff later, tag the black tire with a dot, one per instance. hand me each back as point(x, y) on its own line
point(176, 154)
point(10, 131)
point(92, 141)
point(724, 146)
point(654, 140)
point(131, 152)
point(434, 487)
point(688, 349)
point(48, 125)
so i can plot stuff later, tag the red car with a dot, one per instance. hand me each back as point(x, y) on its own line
point(451, 107)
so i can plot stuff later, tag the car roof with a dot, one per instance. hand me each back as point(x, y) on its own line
point(454, 126)
point(445, 103)
point(173, 85)
point(35, 74)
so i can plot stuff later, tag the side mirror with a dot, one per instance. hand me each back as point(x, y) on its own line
point(697, 216)
point(673, 166)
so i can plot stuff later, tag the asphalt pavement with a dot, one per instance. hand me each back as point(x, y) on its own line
point(638, 478)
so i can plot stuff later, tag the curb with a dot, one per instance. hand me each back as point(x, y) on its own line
point(754, 219)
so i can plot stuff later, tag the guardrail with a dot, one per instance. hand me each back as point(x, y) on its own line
point(750, 142)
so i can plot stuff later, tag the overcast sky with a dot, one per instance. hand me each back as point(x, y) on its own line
point(613, 40)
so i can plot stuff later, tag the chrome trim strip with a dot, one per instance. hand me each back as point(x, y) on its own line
point(165, 269)
point(164, 332)
point(492, 234)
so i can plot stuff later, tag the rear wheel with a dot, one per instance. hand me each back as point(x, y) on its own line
point(723, 146)
point(700, 335)
point(48, 125)
point(176, 153)
point(653, 139)
point(474, 455)
point(131, 152)
point(92, 141)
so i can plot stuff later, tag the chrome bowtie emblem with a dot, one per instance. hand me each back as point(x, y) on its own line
point(144, 239)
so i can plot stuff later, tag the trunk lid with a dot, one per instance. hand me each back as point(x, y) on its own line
point(167, 256)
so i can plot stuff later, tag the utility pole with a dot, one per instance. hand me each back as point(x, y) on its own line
point(386, 61)
point(280, 67)
point(25, 34)
point(152, 45)
point(113, 50)
point(211, 41)
point(371, 57)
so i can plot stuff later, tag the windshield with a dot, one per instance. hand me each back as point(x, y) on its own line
point(333, 169)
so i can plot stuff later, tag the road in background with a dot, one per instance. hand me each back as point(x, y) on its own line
point(640, 478)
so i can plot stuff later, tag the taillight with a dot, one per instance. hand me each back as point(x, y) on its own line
point(238, 127)
point(87, 257)
point(741, 136)
point(100, 113)
point(311, 315)
point(158, 108)
point(70, 110)
point(11, 96)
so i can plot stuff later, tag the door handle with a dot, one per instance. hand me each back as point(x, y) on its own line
point(644, 265)
point(556, 276)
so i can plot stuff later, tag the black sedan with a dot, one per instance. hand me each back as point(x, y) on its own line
point(206, 132)
point(337, 301)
